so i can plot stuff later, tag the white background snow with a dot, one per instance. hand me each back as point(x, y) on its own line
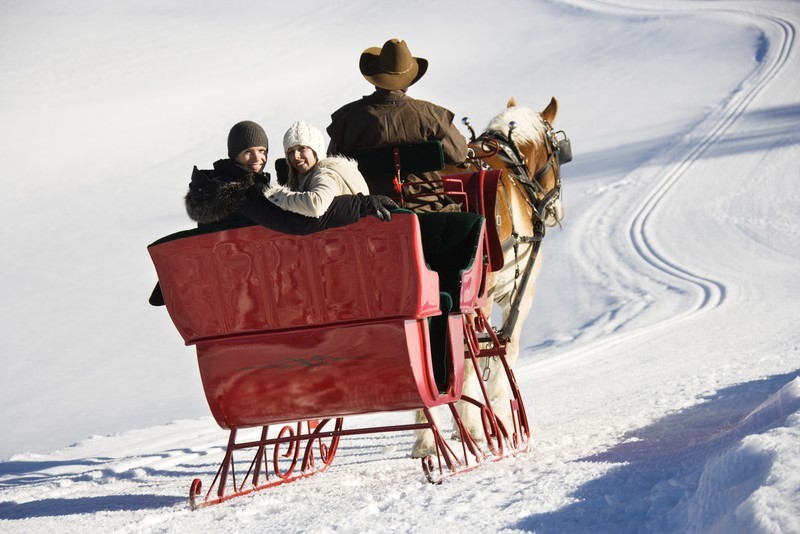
point(660, 364)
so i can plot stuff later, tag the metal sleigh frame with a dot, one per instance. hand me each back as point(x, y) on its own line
point(339, 349)
point(311, 445)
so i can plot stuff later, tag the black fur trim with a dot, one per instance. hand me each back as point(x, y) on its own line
point(206, 207)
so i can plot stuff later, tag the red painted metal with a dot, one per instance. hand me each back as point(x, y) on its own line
point(322, 372)
point(312, 443)
point(479, 191)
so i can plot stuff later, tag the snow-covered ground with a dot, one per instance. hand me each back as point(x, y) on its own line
point(660, 364)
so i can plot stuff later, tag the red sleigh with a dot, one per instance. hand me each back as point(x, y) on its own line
point(295, 333)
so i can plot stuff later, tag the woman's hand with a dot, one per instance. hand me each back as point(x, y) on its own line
point(377, 205)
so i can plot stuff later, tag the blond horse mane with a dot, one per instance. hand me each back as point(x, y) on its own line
point(530, 124)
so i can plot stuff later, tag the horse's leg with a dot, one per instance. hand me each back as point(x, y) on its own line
point(424, 443)
point(498, 385)
point(469, 413)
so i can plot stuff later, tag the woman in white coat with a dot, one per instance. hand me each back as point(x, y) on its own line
point(314, 179)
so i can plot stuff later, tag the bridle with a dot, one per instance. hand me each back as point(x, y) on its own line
point(558, 152)
point(543, 203)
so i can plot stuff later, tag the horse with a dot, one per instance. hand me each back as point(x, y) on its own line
point(523, 145)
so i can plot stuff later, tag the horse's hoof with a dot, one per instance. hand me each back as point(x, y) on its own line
point(422, 450)
point(477, 435)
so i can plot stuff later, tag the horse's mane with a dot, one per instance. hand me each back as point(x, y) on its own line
point(530, 125)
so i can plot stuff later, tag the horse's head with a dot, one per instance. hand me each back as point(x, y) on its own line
point(533, 141)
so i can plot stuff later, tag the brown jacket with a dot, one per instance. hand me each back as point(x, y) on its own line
point(390, 117)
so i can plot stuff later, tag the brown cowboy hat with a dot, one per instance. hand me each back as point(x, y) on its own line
point(391, 67)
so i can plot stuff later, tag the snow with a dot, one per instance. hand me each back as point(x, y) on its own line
point(660, 365)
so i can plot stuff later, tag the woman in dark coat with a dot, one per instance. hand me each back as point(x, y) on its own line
point(234, 190)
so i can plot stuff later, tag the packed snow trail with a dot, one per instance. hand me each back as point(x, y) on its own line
point(664, 173)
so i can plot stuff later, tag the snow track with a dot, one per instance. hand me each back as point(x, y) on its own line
point(648, 188)
point(697, 142)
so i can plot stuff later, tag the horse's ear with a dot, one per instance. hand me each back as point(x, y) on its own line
point(549, 113)
point(511, 102)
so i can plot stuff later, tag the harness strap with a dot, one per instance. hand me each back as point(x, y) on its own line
point(508, 151)
point(513, 316)
point(542, 207)
point(398, 182)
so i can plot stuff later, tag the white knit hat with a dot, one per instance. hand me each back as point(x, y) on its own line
point(302, 133)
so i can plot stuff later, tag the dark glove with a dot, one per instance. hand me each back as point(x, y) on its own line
point(377, 205)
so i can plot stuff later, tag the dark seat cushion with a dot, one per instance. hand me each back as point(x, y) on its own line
point(439, 341)
point(415, 158)
point(450, 242)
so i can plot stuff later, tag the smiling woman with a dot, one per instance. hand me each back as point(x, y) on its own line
point(314, 178)
point(248, 146)
point(253, 158)
point(301, 158)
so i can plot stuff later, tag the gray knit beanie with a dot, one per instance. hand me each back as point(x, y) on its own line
point(244, 135)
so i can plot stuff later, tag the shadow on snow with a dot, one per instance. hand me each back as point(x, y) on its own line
point(661, 465)
point(771, 128)
point(86, 505)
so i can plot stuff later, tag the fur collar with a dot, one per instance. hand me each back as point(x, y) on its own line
point(341, 164)
point(213, 198)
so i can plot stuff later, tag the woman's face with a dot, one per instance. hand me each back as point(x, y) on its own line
point(301, 158)
point(253, 159)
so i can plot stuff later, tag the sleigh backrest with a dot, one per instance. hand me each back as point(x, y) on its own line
point(250, 280)
point(477, 193)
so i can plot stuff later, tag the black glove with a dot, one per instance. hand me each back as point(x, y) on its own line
point(377, 205)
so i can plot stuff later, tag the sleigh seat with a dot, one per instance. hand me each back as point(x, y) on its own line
point(335, 323)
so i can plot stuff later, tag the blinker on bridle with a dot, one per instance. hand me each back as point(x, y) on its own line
point(559, 150)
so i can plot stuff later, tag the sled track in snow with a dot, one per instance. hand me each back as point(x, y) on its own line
point(704, 135)
point(711, 293)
